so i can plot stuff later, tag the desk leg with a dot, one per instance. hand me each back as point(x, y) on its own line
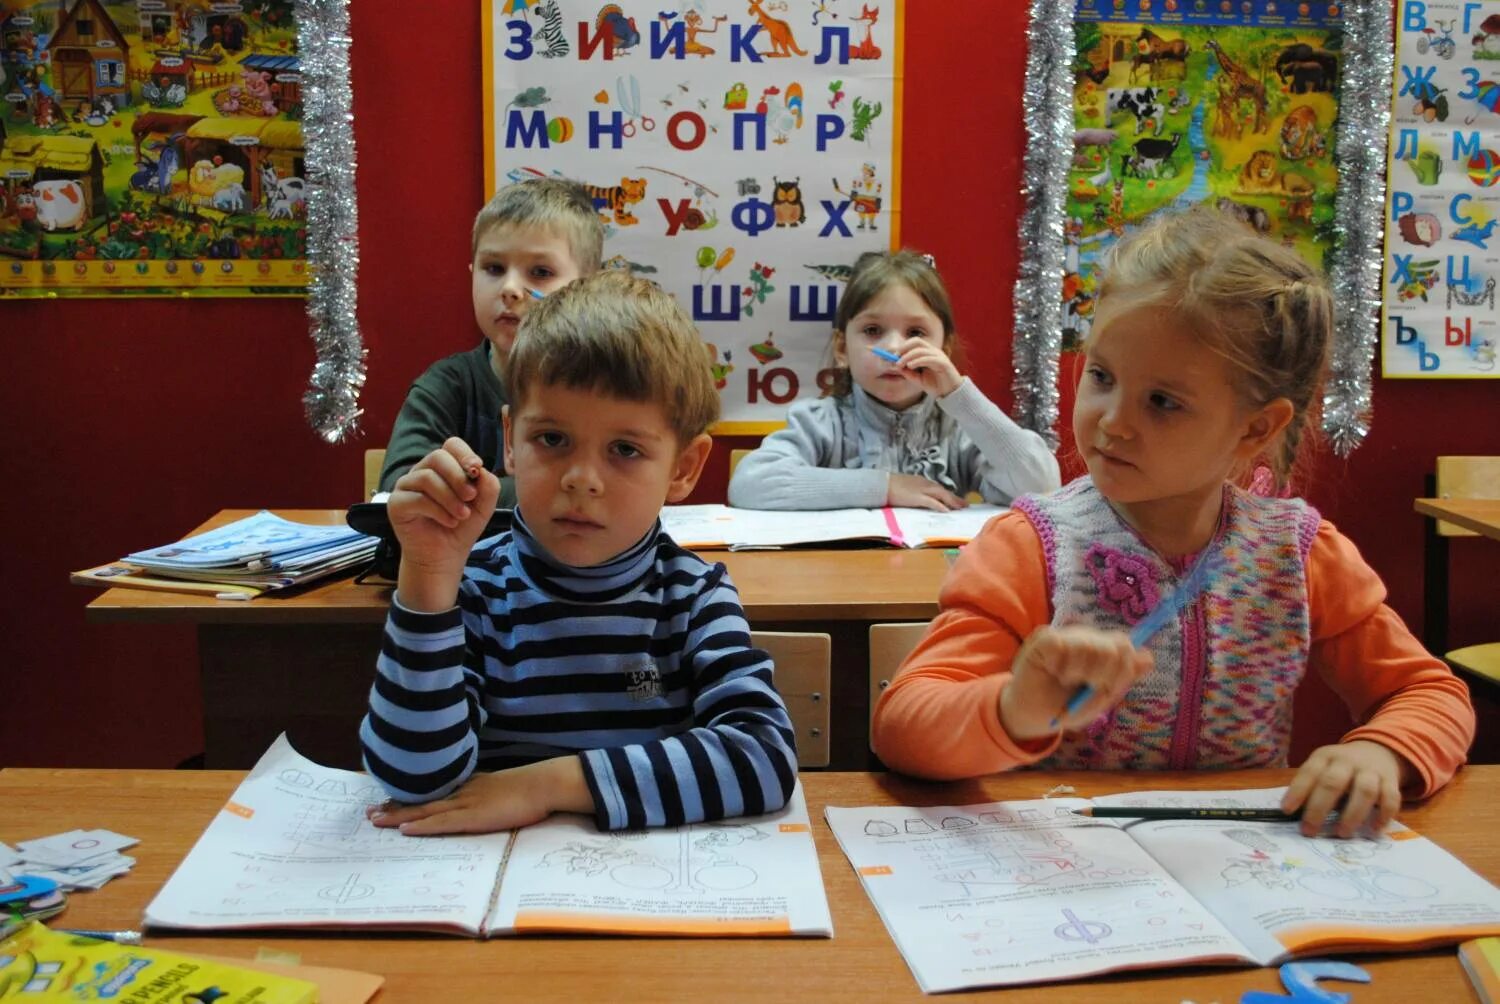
point(310, 681)
point(1434, 588)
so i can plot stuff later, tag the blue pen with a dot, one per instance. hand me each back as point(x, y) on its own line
point(1188, 590)
point(118, 937)
point(535, 292)
point(885, 354)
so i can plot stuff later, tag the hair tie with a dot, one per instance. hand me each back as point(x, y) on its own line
point(930, 260)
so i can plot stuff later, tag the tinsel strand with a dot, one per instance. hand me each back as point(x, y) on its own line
point(1047, 105)
point(332, 399)
point(1359, 218)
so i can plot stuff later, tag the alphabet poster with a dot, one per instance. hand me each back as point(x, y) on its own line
point(1439, 292)
point(1188, 101)
point(741, 154)
point(150, 147)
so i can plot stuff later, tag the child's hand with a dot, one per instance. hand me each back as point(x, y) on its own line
point(921, 493)
point(1364, 776)
point(438, 511)
point(503, 800)
point(1052, 664)
point(928, 366)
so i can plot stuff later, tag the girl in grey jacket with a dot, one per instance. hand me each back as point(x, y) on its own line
point(901, 426)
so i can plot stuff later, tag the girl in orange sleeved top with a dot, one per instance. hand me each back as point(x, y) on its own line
point(1206, 354)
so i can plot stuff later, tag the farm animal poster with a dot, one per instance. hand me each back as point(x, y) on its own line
point(1444, 161)
point(741, 153)
point(1180, 102)
point(150, 147)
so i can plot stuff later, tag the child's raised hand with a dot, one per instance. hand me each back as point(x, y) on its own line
point(438, 509)
point(1361, 779)
point(1050, 667)
point(918, 492)
point(928, 366)
point(503, 800)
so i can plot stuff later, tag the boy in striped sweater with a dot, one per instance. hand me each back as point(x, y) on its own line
point(581, 661)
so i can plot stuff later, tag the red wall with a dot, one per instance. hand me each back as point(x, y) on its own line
point(129, 423)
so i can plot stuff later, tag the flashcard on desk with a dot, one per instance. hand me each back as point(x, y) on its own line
point(73, 847)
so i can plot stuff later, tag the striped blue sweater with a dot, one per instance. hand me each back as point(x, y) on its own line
point(642, 666)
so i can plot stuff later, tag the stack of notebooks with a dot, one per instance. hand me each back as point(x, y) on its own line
point(241, 559)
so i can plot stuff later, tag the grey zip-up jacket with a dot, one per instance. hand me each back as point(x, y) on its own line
point(839, 452)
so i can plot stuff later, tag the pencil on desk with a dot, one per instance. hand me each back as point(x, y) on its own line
point(1182, 812)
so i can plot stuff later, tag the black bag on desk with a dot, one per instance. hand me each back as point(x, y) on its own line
point(371, 518)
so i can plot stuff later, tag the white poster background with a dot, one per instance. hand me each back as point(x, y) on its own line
point(1442, 246)
point(755, 167)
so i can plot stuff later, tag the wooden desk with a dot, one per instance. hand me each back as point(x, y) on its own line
point(1479, 515)
point(168, 810)
point(303, 662)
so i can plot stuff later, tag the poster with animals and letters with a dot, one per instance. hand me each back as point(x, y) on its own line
point(1438, 306)
point(150, 148)
point(1179, 102)
point(741, 153)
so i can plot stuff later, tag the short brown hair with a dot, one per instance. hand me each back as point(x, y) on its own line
point(621, 336)
point(873, 272)
point(552, 203)
point(1257, 304)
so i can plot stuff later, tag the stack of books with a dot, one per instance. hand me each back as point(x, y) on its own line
point(240, 560)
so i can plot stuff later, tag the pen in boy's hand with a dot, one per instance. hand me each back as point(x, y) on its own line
point(885, 354)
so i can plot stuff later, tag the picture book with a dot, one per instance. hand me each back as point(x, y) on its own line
point(39, 964)
point(1026, 892)
point(711, 526)
point(292, 848)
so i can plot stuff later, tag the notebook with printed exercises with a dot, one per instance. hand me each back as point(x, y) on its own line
point(1003, 893)
point(292, 849)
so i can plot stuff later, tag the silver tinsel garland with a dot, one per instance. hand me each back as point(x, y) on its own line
point(1048, 109)
point(1359, 215)
point(1359, 218)
point(332, 400)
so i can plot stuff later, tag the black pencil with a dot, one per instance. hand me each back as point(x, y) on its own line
point(1183, 812)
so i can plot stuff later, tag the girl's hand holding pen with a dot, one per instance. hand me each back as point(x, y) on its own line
point(1052, 664)
point(925, 364)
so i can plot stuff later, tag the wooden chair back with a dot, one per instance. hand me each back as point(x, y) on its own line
point(374, 461)
point(804, 679)
point(890, 644)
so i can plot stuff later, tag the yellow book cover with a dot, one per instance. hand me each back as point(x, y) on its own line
point(39, 964)
point(1481, 960)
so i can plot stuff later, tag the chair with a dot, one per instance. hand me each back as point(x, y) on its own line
point(890, 644)
point(1467, 478)
point(735, 456)
point(374, 461)
point(804, 679)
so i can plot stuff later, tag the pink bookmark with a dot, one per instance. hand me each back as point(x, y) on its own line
point(895, 528)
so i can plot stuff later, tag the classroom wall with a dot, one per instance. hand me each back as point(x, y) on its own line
point(129, 423)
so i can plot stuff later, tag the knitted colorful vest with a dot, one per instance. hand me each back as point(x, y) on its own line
point(1220, 694)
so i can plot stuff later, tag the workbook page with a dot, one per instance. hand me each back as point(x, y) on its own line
point(750, 876)
point(1021, 892)
point(1281, 892)
point(292, 848)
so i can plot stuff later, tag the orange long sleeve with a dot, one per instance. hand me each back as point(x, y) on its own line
point(940, 718)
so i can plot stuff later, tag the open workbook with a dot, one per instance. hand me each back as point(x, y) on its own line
point(292, 848)
point(1026, 892)
point(706, 526)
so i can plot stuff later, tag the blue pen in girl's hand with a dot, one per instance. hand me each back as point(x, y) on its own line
point(1192, 585)
point(885, 354)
